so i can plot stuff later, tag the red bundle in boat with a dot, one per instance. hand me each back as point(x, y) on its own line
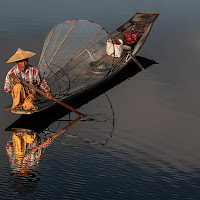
point(131, 37)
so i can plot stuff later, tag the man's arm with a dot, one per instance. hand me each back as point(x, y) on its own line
point(9, 83)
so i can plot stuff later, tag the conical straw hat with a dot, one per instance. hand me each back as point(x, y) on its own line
point(20, 55)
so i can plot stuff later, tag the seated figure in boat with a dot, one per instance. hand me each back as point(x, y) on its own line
point(23, 96)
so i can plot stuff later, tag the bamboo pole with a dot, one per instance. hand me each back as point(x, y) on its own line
point(62, 42)
point(136, 61)
point(53, 99)
point(66, 127)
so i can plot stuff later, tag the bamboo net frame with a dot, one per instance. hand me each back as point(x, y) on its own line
point(56, 67)
point(70, 76)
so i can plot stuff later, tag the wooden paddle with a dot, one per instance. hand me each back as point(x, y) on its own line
point(53, 99)
point(50, 140)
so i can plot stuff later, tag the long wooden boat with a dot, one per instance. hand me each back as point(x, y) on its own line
point(39, 121)
point(75, 59)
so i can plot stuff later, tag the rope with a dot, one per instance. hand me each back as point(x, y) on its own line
point(90, 55)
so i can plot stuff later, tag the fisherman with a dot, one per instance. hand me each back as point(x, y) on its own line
point(24, 96)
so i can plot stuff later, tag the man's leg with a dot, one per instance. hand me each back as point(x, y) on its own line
point(29, 103)
point(18, 95)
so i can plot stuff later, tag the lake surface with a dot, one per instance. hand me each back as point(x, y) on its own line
point(141, 139)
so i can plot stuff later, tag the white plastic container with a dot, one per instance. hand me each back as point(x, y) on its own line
point(114, 50)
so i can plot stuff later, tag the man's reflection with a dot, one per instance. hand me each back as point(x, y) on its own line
point(25, 151)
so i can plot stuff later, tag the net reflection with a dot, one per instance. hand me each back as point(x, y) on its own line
point(95, 128)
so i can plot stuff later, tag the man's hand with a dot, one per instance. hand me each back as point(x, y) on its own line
point(17, 80)
point(48, 141)
point(49, 95)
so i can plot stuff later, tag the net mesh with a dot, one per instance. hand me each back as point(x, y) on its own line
point(68, 51)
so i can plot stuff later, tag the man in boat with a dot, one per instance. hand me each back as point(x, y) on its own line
point(23, 96)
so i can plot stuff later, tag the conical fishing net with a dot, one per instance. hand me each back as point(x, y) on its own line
point(70, 52)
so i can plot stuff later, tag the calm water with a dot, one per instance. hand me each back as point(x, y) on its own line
point(141, 139)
